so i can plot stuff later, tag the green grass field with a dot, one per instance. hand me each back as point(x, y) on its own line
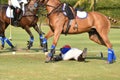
point(29, 64)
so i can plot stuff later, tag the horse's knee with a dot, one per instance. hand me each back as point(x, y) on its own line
point(30, 42)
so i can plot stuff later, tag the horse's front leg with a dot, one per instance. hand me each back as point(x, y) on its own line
point(45, 45)
point(49, 56)
point(30, 42)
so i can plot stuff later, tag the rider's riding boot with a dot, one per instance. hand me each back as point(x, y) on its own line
point(17, 14)
point(83, 55)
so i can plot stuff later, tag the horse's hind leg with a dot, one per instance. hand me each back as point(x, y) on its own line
point(102, 38)
point(111, 54)
point(40, 34)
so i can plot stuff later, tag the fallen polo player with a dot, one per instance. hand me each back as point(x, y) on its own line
point(68, 53)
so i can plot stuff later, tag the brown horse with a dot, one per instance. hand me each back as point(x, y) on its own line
point(29, 19)
point(95, 24)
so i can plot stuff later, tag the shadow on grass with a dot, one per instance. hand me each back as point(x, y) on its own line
point(16, 49)
point(99, 58)
point(6, 50)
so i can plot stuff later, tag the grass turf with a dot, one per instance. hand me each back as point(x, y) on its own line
point(29, 64)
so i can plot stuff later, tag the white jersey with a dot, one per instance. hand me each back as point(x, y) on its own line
point(73, 53)
point(16, 3)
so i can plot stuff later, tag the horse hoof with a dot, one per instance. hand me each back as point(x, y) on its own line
point(48, 59)
point(13, 48)
point(28, 47)
point(30, 44)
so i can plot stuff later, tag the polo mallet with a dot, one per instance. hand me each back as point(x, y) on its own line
point(10, 24)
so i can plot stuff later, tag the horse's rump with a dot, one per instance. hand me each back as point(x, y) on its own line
point(101, 21)
point(93, 20)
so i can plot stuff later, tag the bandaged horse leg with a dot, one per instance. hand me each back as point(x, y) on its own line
point(3, 39)
point(49, 56)
point(41, 40)
point(8, 42)
point(30, 42)
point(39, 31)
point(44, 44)
point(103, 40)
point(2, 42)
point(111, 56)
point(47, 36)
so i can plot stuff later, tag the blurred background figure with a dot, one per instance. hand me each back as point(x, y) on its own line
point(83, 3)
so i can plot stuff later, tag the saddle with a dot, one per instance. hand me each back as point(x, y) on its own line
point(68, 13)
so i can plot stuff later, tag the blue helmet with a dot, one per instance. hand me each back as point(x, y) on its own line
point(65, 48)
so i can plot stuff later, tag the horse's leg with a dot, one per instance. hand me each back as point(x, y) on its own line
point(57, 33)
point(2, 30)
point(40, 34)
point(111, 54)
point(47, 36)
point(8, 42)
point(30, 42)
point(2, 42)
point(102, 38)
point(3, 39)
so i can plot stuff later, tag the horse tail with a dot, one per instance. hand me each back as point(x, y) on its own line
point(112, 20)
